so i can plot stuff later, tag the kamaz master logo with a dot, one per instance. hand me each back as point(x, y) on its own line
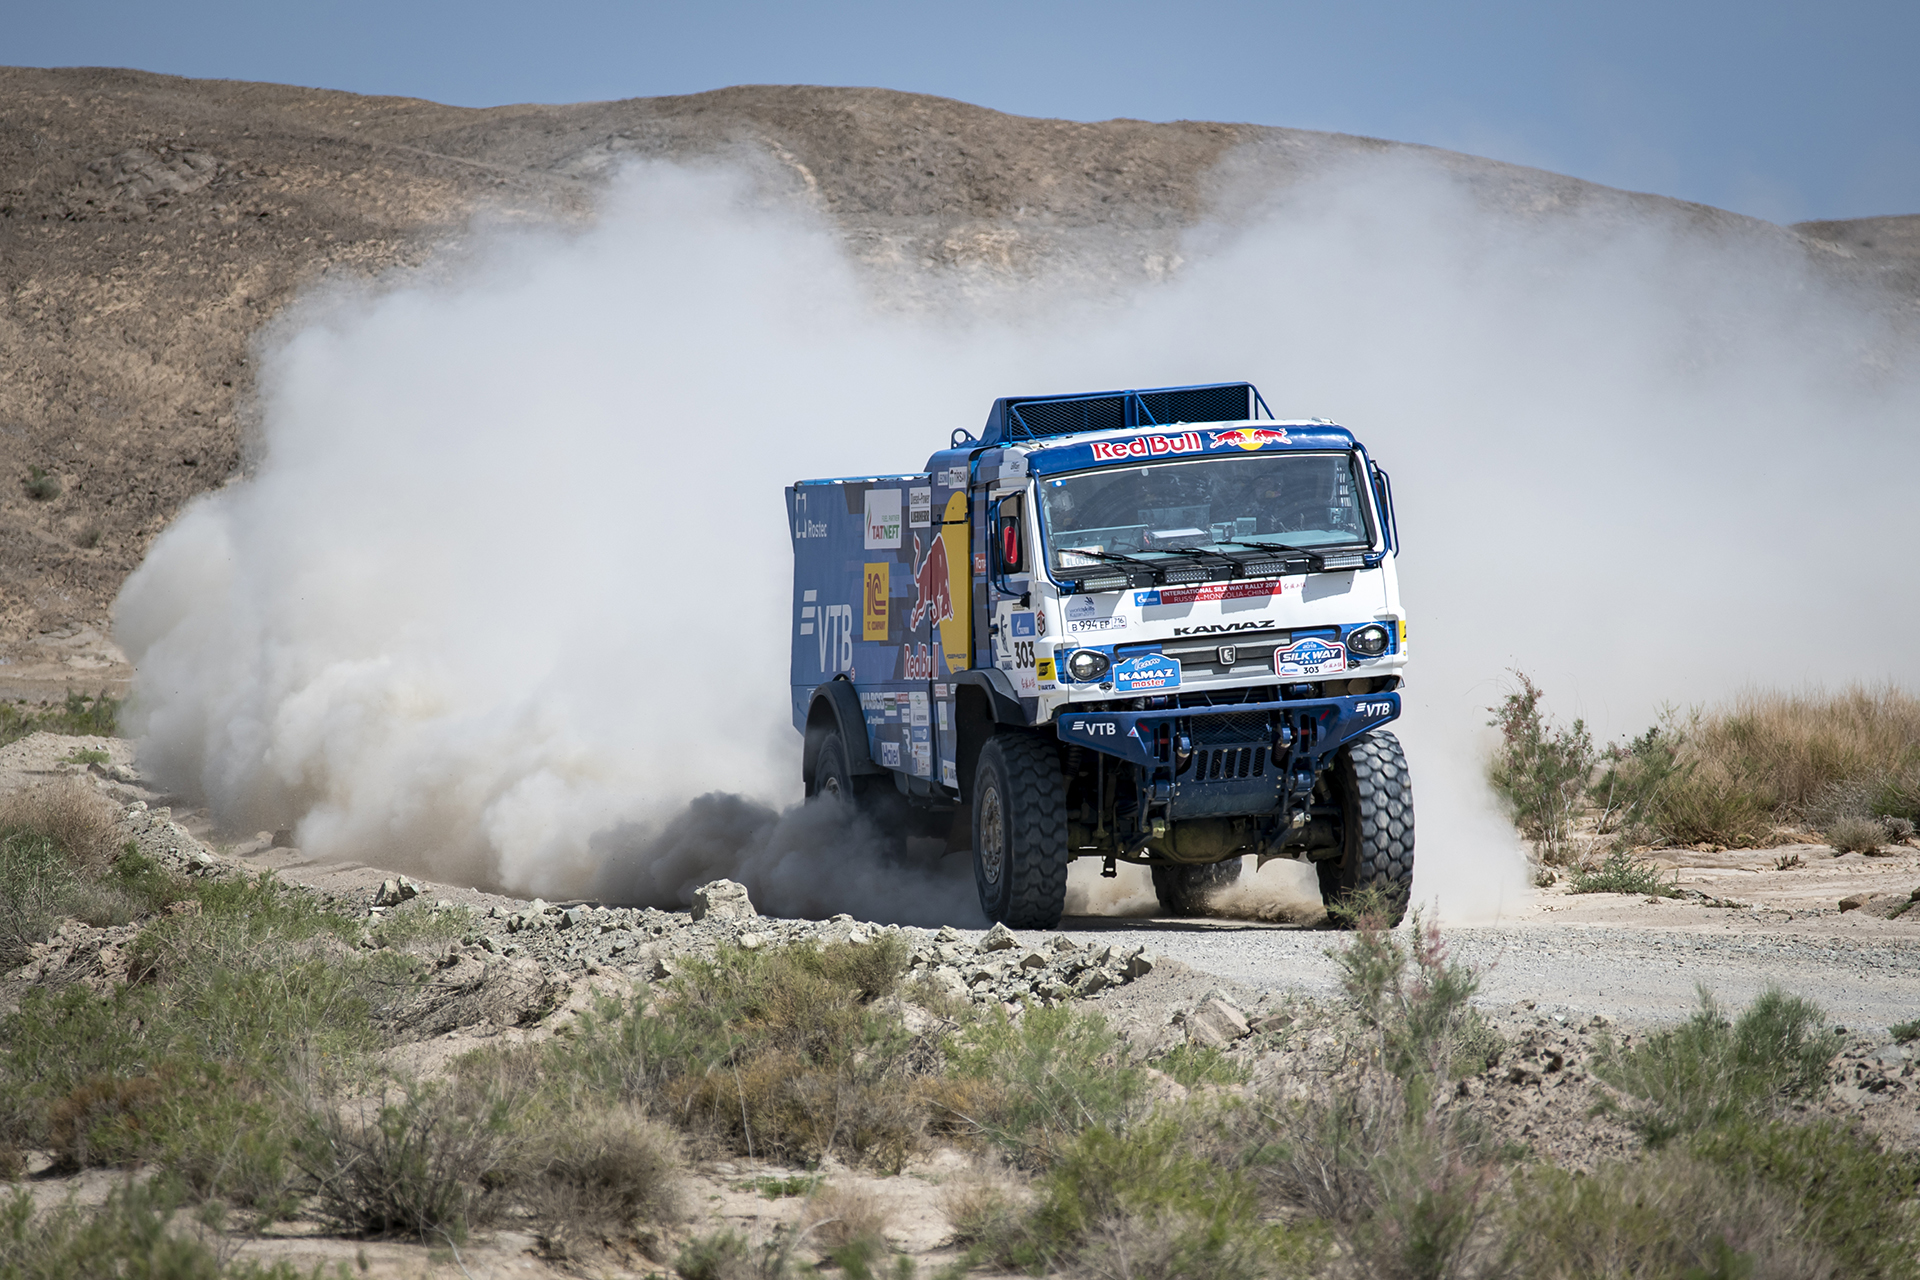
point(1217, 627)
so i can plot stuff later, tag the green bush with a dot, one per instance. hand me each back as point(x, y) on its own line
point(130, 1236)
point(1849, 1195)
point(1669, 1215)
point(1621, 872)
point(1636, 780)
point(1052, 1073)
point(41, 485)
point(1540, 770)
point(1147, 1202)
point(1194, 1065)
point(775, 1054)
point(1711, 1071)
point(81, 714)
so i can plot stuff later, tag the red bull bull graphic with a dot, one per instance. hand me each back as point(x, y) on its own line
point(1249, 438)
point(1147, 447)
point(932, 584)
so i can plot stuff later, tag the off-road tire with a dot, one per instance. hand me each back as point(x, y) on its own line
point(1020, 832)
point(1375, 794)
point(1184, 890)
point(832, 775)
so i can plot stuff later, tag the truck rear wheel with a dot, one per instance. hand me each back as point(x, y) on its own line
point(1375, 794)
point(873, 796)
point(1184, 890)
point(1020, 832)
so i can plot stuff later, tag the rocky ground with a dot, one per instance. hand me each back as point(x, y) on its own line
point(1264, 994)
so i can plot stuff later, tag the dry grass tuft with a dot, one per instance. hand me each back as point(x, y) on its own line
point(611, 1174)
point(81, 821)
point(1856, 835)
point(842, 1214)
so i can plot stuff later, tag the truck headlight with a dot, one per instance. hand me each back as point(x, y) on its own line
point(1368, 641)
point(1085, 664)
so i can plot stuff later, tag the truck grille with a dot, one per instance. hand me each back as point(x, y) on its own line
point(1232, 762)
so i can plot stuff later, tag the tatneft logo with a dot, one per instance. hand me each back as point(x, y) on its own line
point(1215, 628)
point(883, 519)
point(832, 627)
point(1097, 728)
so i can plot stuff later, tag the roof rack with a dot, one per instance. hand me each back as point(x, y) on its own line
point(1039, 417)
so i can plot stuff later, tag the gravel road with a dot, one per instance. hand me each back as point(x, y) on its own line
point(1632, 975)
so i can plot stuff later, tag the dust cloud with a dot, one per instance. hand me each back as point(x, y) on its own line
point(506, 599)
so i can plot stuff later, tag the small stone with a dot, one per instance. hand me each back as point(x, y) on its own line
point(1060, 944)
point(722, 900)
point(1089, 982)
point(1033, 960)
point(751, 942)
point(662, 968)
point(947, 934)
point(394, 891)
point(1217, 1023)
point(200, 860)
point(1272, 1023)
point(537, 906)
point(999, 938)
point(1142, 964)
point(857, 938)
point(571, 917)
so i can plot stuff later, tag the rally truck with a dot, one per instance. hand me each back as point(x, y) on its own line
point(1156, 626)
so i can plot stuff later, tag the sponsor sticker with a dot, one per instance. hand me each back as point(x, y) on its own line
point(1081, 625)
point(1373, 708)
point(979, 563)
point(1310, 658)
point(919, 508)
point(1147, 447)
point(1247, 438)
point(940, 709)
point(873, 607)
point(1147, 673)
point(1078, 607)
point(940, 691)
point(890, 755)
point(932, 584)
point(948, 777)
point(883, 520)
point(922, 759)
point(1260, 590)
point(1044, 670)
point(918, 662)
point(917, 705)
point(1023, 625)
point(955, 477)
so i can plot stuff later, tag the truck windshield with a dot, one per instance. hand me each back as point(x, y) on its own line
point(1308, 501)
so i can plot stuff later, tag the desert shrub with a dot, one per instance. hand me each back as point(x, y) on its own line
point(729, 1255)
point(1621, 872)
point(81, 714)
point(1142, 1203)
point(134, 1234)
point(41, 485)
point(1847, 1193)
point(1856, 835)
point(1905, 1032)
point(81, 822)
point(779, 1054)
point(1044, 1078)
point(1669, 1215)
point(1193, 1065)
point(1711, 1070)
point(1414, 999)
point(421, 1164)
point(595, 1174)
point(1540, 770)
point(1636, 778)
point(849, 1219)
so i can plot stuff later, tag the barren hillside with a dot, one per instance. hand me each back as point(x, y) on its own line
point(150, 226)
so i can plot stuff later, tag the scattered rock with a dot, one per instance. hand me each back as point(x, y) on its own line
point(1216, 1024)
point(394, 891)
point(722, 900)
point(999, 938)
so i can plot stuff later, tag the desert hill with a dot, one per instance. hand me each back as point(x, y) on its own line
point(152, 226)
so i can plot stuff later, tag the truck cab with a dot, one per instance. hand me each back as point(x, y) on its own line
point(1153, 626)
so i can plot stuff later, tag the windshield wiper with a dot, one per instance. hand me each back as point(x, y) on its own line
point(1152, 570)
point(1315, 560)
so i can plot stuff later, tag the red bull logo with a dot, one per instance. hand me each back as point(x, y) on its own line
point(1249, 438)
point(1146, 447)
point(932, 584)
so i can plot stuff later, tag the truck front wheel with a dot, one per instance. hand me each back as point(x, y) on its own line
point(1184, 890)
point(1375, 794)
point(1020, 832)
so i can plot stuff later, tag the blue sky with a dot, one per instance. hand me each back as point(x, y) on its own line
point(1781, 110)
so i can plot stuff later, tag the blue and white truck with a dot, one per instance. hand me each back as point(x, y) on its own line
point(1155, 626)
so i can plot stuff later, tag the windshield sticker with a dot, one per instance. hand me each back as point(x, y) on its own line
point(1212, 591)
point(883, 519)
point(1147, 447)
point(919, 508)
point(1310, 658)
point(1248, 438)
point(1147, 672)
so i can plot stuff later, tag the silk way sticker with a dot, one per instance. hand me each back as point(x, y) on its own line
point(1310, 658)
point(1148, 672)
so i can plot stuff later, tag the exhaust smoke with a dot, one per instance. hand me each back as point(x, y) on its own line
point(506, 600)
